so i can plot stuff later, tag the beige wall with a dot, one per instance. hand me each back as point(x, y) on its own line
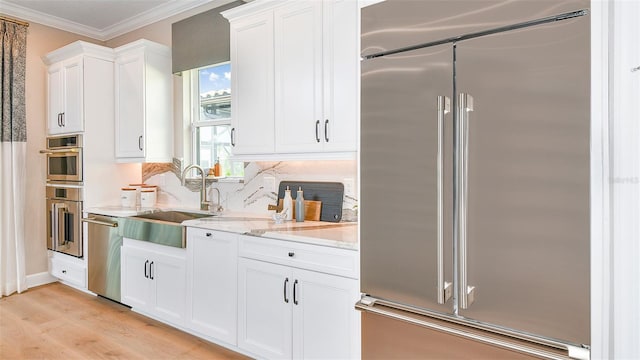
point(40, 41)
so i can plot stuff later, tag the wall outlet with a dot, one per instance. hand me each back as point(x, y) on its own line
point(349, 187)
point(269, 183)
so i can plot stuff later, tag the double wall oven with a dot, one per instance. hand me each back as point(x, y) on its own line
point(64, 194)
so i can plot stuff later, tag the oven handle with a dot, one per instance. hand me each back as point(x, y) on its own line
point(54, 226)
point(59, 151)
point(92, 220)
point(62, 208)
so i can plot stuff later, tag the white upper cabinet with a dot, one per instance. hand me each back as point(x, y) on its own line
point(306, 102)
point(341, 69)
point(252, 94)
point(70, 79)
point(298, 77)
point(143, 100)
point(316, 76)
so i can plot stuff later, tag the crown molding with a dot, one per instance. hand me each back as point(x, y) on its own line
point(158, 13)
point(50, 20)
point(161, 12)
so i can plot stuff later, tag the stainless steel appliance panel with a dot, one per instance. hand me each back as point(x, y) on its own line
point(65, 165)
point(394, 24)
point(519, 233)
point(64, 159)
point(104, 242)
point(400, 199)
point(528, 178)
point(64, 211)
point(385, 338)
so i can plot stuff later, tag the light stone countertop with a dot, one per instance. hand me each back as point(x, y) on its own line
point(341, 235)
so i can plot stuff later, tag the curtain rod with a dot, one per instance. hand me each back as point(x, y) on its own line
point(15, 21)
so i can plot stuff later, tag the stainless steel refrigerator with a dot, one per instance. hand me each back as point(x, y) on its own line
point(475, 184)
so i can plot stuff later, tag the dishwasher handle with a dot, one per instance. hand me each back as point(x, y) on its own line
point(98, 222)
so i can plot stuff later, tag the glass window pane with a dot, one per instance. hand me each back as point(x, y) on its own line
point(214, 143)
point(215, 92)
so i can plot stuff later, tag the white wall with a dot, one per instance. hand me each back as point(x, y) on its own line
point(615, 176)
point(625, 179)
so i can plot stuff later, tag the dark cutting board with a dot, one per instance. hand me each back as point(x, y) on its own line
point(330, 193)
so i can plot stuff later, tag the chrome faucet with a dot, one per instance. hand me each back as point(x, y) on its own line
point(204, 204)
point(218, 208)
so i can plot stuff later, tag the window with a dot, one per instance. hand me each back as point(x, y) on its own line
point(211, 118)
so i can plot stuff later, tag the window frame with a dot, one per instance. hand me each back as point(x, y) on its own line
point(195, 121)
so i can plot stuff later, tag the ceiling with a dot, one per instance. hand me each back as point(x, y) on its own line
point(98, 19)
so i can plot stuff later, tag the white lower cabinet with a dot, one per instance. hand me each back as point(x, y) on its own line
point(265, 299)
point(212, 284)
point(325, 322)
point(154, 280)
point(288, 312)
point(70, 270)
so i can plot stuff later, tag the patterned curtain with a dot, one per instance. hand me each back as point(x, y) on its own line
point(13, 137)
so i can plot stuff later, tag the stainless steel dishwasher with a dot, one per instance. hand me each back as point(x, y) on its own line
point(104, 241)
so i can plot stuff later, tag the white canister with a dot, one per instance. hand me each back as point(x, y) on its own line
point(148, 198)
point(138, 187)
point(128, 197)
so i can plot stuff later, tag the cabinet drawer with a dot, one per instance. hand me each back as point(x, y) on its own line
point(325, 259)
point(193, 231)
point(69, 272)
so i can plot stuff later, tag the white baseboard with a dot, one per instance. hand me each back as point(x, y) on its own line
point(40, 279)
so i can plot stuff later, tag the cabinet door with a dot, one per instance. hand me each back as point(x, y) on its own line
point(298, 77)
point(55, 105)
point(325, 322)
point(169, 274)
point(130, 106)
point(72, 116)
point(135, 278)
point(264, 308)
point(341, 75)
point(212, 278)
point(252, 114)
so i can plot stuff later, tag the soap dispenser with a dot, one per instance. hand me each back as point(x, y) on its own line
point(299, 205)
point(287, 205)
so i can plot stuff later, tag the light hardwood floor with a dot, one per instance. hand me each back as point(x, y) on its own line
point(58, 322)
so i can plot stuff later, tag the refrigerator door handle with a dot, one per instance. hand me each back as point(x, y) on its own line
point(465, 292)
point(444, 287)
